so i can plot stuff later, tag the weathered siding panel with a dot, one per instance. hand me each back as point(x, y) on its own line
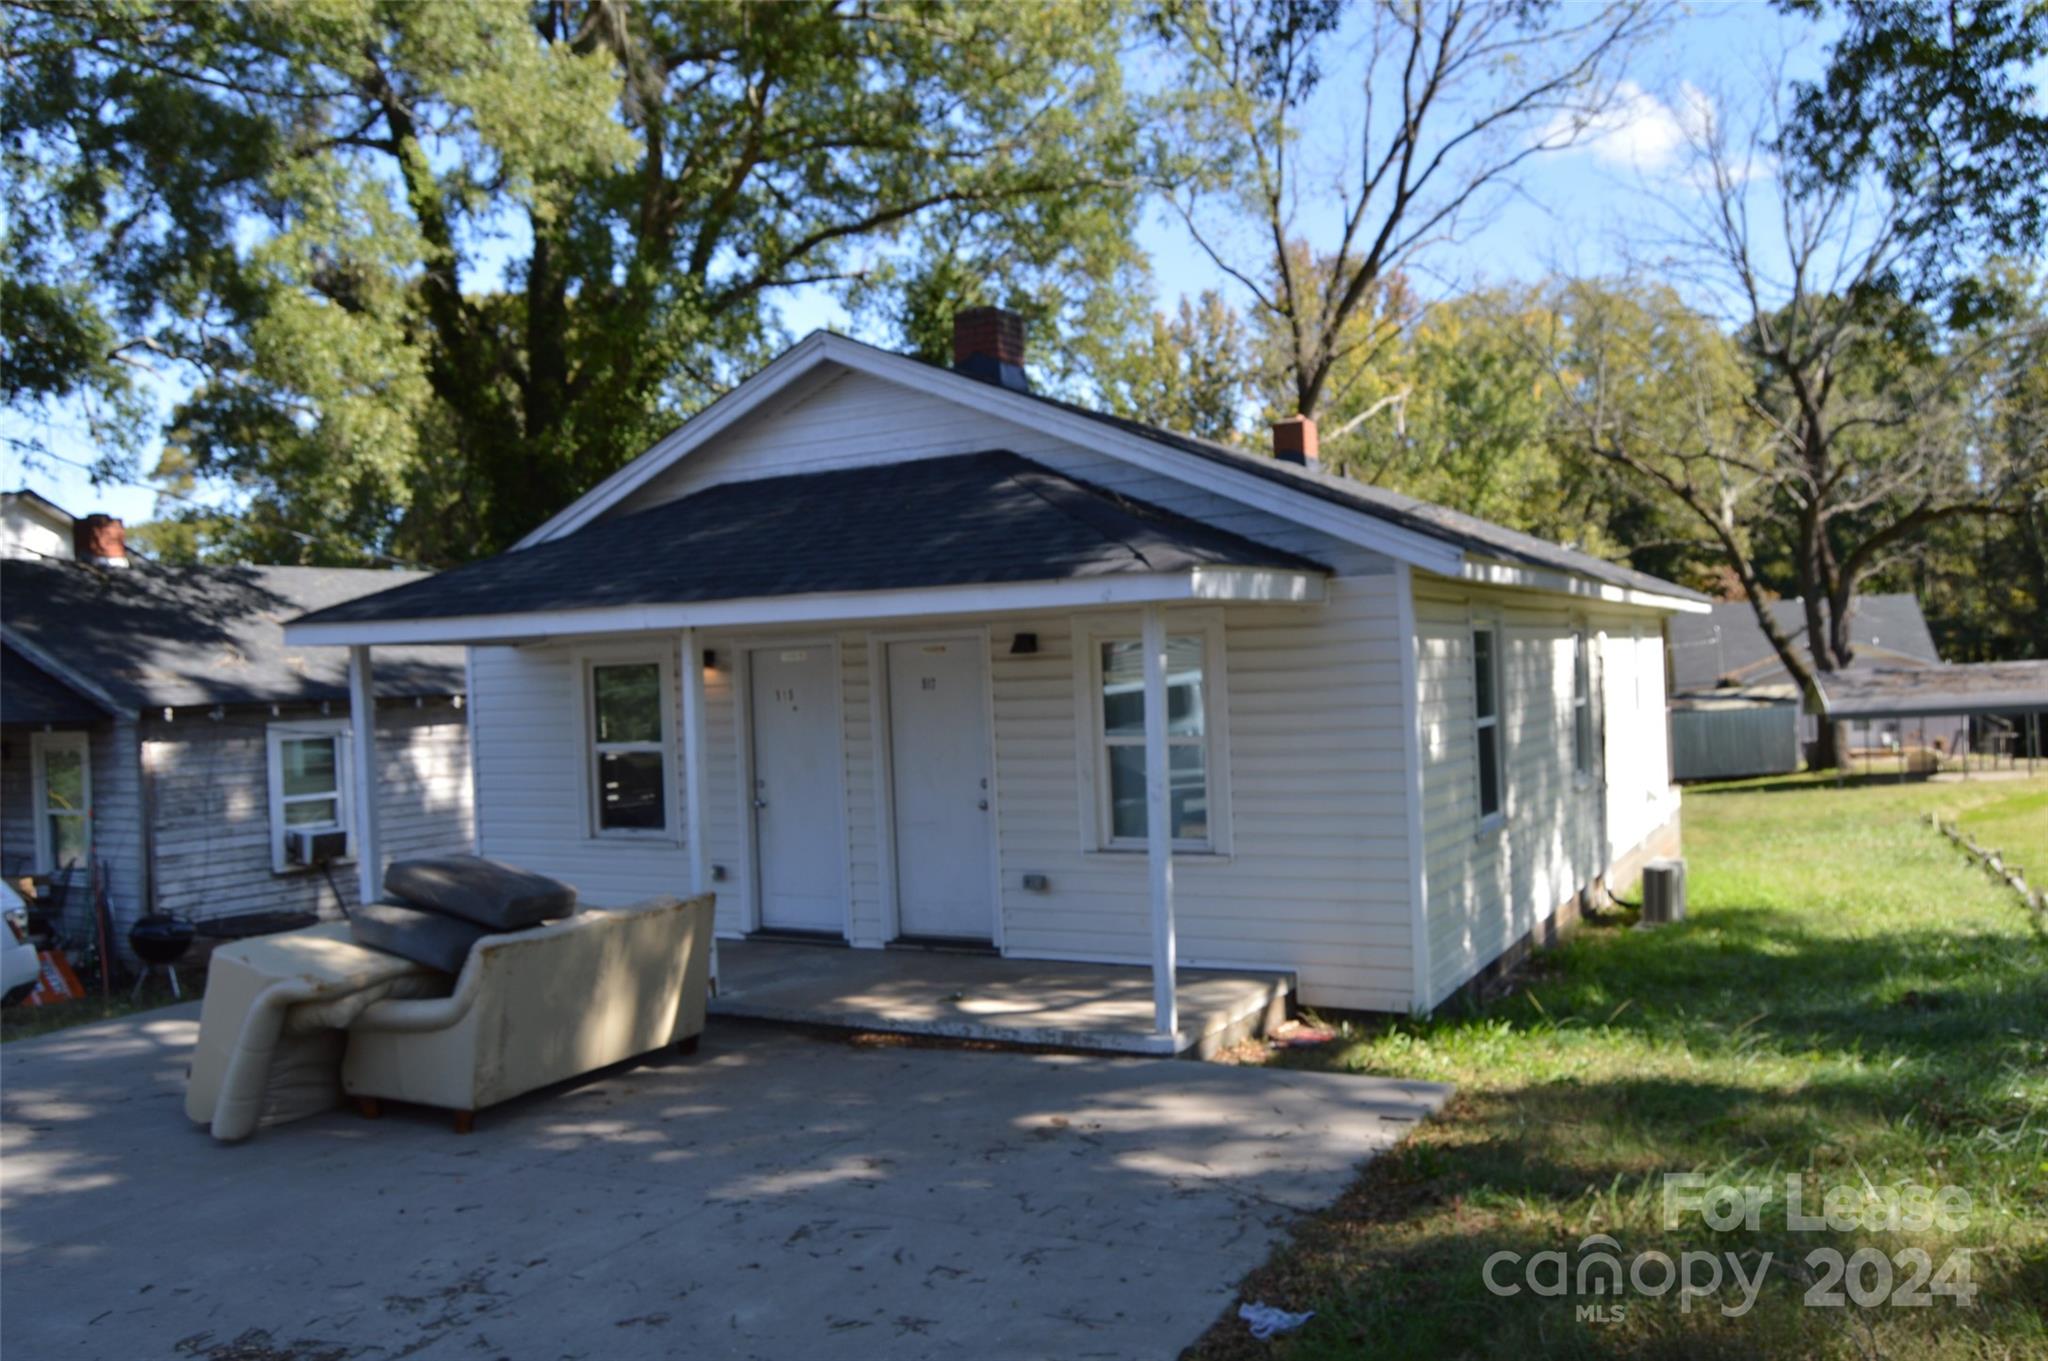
point(1488, 886)
point(116, 820)
point(209, 790)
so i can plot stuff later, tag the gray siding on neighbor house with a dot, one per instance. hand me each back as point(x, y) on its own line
point(209, 784)
point(117, 819)
point(1733, 740)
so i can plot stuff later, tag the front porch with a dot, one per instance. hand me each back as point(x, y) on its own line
point(1101, 1007)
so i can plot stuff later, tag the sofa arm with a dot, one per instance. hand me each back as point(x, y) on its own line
point(420, 1015)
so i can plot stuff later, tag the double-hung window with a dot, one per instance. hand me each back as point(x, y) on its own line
point(1486, 719)
point(629, 747)
point(1582, 706)
point(63, 799)
point(309, 781)
point(1123, 813)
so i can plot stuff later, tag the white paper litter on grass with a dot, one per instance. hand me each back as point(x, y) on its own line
point(1268, 1323)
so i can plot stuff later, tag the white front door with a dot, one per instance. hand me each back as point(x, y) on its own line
point(795, 709)
point(939, 763)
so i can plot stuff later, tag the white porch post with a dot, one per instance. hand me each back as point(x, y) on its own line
point(1159, 823)
point(690, 671)
point(362, 727)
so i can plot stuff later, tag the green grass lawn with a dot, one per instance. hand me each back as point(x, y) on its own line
point(1850, 999)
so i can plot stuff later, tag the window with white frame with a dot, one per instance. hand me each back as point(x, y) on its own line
point(1582, 706)
point(628, 763)
point(1119, 711)
point(1486, 719)
point(63, 799)
point(309, 782)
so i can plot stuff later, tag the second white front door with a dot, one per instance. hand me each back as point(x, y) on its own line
point(939, 762)
point(793, 698)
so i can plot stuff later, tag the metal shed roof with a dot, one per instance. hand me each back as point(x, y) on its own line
point(1928, 691)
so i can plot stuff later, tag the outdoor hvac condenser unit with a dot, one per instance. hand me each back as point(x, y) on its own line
point(1663, 892)
point(315, 845)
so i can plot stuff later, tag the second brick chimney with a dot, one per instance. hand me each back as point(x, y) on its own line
point(988, 343)
point(101, 540)
point(1294, 441)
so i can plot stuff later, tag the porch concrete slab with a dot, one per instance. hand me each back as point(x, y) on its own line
point(1106, 1008)
point(778, 1194)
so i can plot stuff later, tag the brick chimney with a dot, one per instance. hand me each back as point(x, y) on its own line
point(988, 343)
point(101, 540)
point(1294, 441)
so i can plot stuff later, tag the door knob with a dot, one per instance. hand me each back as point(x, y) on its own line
point(760, 803)
point(982, 805)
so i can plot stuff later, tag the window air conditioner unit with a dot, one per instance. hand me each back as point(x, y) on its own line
point(315, 845)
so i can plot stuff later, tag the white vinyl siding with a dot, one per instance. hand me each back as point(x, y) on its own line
point(1317, 881)
point(1489, 888)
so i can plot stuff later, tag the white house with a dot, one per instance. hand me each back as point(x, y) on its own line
point(885, 653)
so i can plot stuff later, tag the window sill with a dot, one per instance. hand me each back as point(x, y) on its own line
point(294, 871)
point(1180, 855)
point(651, 840)
point(1491, 825)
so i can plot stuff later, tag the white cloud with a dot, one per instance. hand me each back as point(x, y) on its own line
point(1638, 129)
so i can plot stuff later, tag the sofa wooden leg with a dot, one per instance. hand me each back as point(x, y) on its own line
point(465, 1122)
point(369, 1107)
point(688, 1046)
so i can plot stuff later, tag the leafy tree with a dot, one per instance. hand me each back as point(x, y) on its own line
point(1452, 98)
point(436, 269)
point(1191, 372)
point(1942, 105)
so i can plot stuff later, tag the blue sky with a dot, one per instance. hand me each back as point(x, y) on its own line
point(1575, 210)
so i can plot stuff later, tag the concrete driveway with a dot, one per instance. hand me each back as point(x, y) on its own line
point(778, 1195)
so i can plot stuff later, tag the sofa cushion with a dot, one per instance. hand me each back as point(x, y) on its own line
point(479, 890)
point(430, 938)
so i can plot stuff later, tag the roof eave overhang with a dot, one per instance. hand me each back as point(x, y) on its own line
point(55, 666)
point(1239, 585)
point(1490, 572)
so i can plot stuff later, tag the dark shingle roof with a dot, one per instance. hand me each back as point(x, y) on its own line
point(153, 636)
point(29, 694)
point(964, 520)
point(1729, 645)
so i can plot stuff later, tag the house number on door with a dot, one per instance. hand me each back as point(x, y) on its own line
point(785, 696)
point(928, 683)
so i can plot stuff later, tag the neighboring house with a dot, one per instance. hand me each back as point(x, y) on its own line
point(889, 653)
point(152, 719)
point(1736, 710)
point(31, 526)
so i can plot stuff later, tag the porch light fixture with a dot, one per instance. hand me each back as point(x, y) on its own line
point(1023, 644)
point(710, 659)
